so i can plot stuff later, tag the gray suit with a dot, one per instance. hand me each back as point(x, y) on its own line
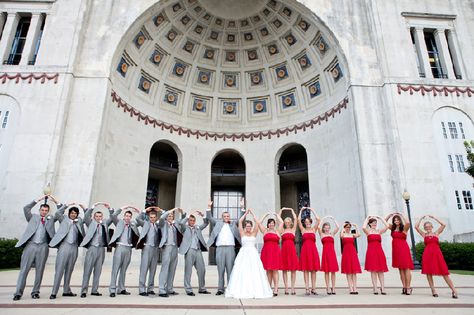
point(122, 253)
point(169, 252)
point(67, 252)
point(192, 246)
point(225, 255)
point(96, 240)
point(148, 242)
point(35, 250)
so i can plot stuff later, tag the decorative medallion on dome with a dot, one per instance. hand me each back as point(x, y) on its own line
point(231, 24)
point(272, 49)
point(144, 84)
point(156, 57)
point(179, 69)
point(248, 36)
point(230, 80)
point(322, 46)
point(198, 29)
point(252, 54)
point(336, 73)
point(214, 35)
point(185, 20)
point(244, 23)
point(204, 77)
point(171, 97)
point(272, 4)
point(287, 11)
point(266, 12)
point(139, 39)
point(198, 9)
point(256, 78)
point(122, 67)
point(264, 31)
point(229, 107)
point(314, 89)
point(189, 47)
point(277, 23)
point(159, 19)
point(209, 53)
point(171, 35)
point(288, 100)
point(304, 62)
point(281, 72)
point(259, 106)
point(230, 56)
point(231, 38)
point(218, 22)
point(256, 19)
point(303, 25)
point(200, 104)
point(176, 7)
point(290, 39)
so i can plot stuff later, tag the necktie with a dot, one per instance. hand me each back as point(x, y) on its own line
point(42, 221)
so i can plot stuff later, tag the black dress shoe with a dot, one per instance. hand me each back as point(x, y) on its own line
point(163, 295)
point(52, 297)
point(83, 295)
point(112, 294)
point(219, 293)
point(151, 293)
point(96, 294)
point(204, 292)
point(35, 296)
point(143, 294)
point(69, 294)
point(190, 293)
point(124, 292)
point(173, 293)
point(16, 297)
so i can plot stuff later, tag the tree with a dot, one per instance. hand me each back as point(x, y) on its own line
point(469, 145)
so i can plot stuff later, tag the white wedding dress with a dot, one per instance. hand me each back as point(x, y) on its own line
point(248, 279)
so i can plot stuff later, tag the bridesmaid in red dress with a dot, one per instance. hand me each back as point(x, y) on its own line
point(401, 255)
point(432, 261)
point(309, 257)
point(375, 260)
point(289, 259)
point(350, 264)
point(329, 260)
point(271, 253)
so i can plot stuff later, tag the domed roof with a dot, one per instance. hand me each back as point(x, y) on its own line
point(229, 66)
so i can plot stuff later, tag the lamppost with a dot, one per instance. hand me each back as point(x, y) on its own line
point(406, 197)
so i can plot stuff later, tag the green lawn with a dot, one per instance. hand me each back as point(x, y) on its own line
point(462, 272)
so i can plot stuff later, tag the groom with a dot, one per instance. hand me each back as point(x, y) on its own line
point(225, 235)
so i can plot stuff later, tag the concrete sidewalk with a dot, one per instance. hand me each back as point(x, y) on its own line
point(342, 303)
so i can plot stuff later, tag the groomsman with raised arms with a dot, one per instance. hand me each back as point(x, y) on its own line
point(224, 236)
point(192, 246)
point(170, 241)
point(67, 239)
point(148, 242)
point(125, 237)
point(35, 239)
point(96, 241)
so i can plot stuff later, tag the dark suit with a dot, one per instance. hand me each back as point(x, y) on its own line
point(67, 252)
point(122, 253)
point(96, 240)
point(192, 246)
point(35, 250)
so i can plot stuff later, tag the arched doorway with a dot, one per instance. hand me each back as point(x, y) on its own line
point(162, 176)
point(227, 186)
point(293, 175)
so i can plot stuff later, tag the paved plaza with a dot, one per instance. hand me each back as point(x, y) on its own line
point(421, 302)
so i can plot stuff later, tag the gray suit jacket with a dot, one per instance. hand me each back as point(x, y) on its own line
point(218, 224)
point(91, 229)
point(119, 228)
point(164, 226)
point(145, 228)
point(188, 234)
point(33, 221)
point(64, 228)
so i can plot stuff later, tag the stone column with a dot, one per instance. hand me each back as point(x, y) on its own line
point(8, 35)
point(444, 56)
point(31, 38)
point(3, 17)
point(422, 51)
point(456, 58)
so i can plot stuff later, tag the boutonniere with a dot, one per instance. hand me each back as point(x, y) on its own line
point(48, 217)
point(76, 220)
point(100, 222)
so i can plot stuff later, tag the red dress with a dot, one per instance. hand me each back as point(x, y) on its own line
point(401, 255)
point(271, 253)
point(309, 257)
point(289, 259)
point(375, 260)
point(350, 261)
point(432, 261)
point(328, 259)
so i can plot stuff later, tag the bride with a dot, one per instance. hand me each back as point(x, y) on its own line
point(248, 279)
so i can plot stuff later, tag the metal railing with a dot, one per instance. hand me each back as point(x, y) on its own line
point(292, 167)
point(221, 171)
point(165, 164)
